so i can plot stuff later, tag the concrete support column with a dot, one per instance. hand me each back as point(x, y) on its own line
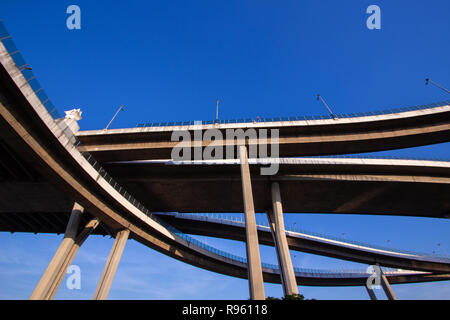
point(54, 268)
point(81, 237)
point(387, 287)
point(371, 293)
point(255, 276)
point(102, 291)
point(276, 221)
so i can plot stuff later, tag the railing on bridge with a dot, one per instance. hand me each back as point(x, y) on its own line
point(375, 157)
point(263, 225)
point(294, 118)
point(273, 267)
point(15, 54)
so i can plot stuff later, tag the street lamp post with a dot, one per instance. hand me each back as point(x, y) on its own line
point(120, 109)
point(428, 80)
point(319, 97)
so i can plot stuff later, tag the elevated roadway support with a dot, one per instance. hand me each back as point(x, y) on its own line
point(255, 275)
point(54, 274)
point(82, 236)
point(276, 222)
point(104, 285)
point(371, 293)
point(387, 287)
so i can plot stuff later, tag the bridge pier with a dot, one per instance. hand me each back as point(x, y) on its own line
point(255, 275)
point(276, 222)
point(104, 285)
point(387, 287)
point(56, 270)
point(371, 293)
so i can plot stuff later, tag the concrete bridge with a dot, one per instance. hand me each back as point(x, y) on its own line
point(298, 136)
point(359, 186)
point(43, 151)
point(212, 226)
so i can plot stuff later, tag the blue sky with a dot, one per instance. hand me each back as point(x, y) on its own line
point(171, 60)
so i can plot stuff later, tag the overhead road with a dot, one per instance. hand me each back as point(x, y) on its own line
point(207, 225)
point(407, 127)
point(308, 185)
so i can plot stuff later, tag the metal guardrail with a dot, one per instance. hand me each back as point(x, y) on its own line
point(319, 159)
point(15, 54)
point(275, 268)
point(7, 41)
point(296, 118)
point(374, 157)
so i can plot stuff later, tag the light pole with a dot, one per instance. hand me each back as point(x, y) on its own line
point(319, 97)
point(217, 110)
point(428, 80)
point(120, 109)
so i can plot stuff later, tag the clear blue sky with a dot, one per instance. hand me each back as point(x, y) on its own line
point(171, 60)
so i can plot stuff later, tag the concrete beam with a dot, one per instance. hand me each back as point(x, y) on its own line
point(255, 275)
point(55, 266)
point(276, 221)
point(102, 291)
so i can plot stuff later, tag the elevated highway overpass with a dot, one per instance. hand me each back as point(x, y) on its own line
point(308, 185)
point(211, 226)
point(298, 136)
point(42, 149)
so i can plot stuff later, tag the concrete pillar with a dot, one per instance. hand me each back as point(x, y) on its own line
point(276, 221)
point(255, 276)
point(102, 291)
point(387, 287)
point(50, 275)
point(371, 293)
point(79, 240)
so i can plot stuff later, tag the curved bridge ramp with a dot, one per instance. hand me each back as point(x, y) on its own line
point(404, 187)
point(297, 136)
point(234, 229)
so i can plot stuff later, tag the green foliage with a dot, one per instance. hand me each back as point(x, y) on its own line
point(294, 296)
